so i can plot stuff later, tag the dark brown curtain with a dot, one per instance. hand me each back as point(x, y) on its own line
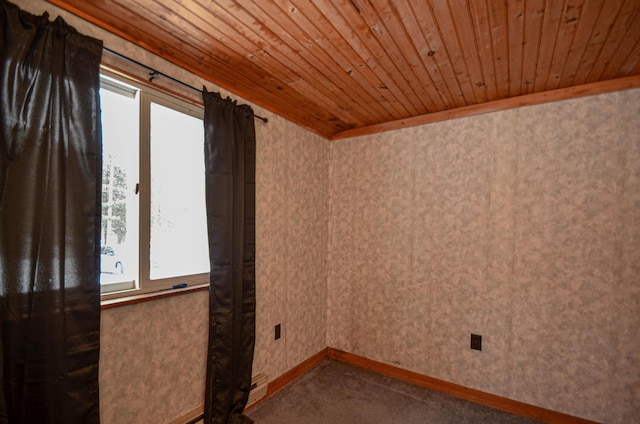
point(230, 157)
point(50, 184)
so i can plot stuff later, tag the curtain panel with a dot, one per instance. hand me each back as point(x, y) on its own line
point(230, 157)
point(50, 217)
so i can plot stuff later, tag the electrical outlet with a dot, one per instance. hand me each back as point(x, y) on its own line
point(476, 341)
point(278, 332)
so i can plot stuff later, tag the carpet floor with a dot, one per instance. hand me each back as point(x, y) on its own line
point(337, 393)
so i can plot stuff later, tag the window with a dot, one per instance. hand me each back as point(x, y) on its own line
point(154, 229)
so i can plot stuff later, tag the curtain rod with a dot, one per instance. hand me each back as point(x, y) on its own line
point(154, 74)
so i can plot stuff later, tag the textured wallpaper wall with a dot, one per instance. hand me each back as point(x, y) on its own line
point(152, 359)
point(522, 226)
point(292, 221)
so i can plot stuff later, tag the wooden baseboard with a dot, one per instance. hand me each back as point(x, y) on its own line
point(497, 402)
point(292, 374)
point(273, 387)
point(296, 372)
point(477, 396)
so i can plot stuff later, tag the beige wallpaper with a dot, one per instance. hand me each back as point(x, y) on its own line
point(522, 226)
point(152, 359)
point(292, 221)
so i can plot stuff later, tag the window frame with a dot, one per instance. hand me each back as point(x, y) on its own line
point(145, 97)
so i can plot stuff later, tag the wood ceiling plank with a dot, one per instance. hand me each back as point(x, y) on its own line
point(314, 82)
point(345, 40)
point(624, 50)
point(367, 96)
point(569, 22)
point(223, 38)
point(625, 18)
point(195, 48)
point(534, 13)
point(515, 22)
point(483, 33)
point(463, 22)
point(586, 26)
point(392, 36)
point(345, 19)
point(424, 53)
point(599, 35)
point(437, 57)
point(334, 66)
point(445, 22)
point(498, 20)
point(356, 34)
point(550, 23)
point(114, 15)
point(266, 46)
point(305, 34)
point(293, 87)
point(331, 43)
point(636, 69)
point(187, 28)
point(112, 18)
point(209, 29)
point(632, 62)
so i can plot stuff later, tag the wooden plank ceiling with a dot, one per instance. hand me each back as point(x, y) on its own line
point(338, 65)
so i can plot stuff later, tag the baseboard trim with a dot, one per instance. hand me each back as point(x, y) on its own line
point(473, 395)
point(295, 372)
point(273, 386)
point(291, 375)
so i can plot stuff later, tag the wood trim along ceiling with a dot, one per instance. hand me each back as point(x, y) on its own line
point(343, 68)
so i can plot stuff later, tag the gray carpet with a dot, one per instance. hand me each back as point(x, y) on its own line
point(339, 393)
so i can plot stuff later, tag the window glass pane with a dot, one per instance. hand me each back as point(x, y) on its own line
point(120, 217)
point(179, 243)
